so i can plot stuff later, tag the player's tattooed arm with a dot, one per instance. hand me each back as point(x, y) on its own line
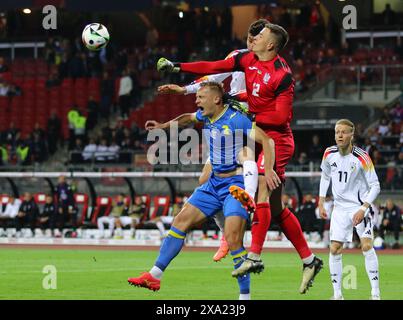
point(182, 121)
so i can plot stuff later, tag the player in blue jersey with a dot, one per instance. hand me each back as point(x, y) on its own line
point(220, 122)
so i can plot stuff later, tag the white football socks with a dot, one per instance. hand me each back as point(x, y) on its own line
point(156, 272)
point(372, 267)
point(336, 273)
point(250, 176)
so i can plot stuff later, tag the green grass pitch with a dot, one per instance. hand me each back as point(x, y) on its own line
point(102, 274)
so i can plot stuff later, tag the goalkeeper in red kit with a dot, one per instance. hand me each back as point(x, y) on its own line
point(270, 91)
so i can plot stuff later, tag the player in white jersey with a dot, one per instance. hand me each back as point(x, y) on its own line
point(355, 187)
point(245, 157)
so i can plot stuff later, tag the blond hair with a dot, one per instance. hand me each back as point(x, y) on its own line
point(346, 122)
point(215, 86)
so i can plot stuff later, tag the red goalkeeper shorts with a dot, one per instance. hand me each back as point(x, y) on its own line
point(284, 148)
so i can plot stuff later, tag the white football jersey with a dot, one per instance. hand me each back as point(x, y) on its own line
point(237, 82)
point(352, 176)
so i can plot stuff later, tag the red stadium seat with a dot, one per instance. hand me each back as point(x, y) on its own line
point(4, 198)
point(81, 200)
point(161, 206)
point(102, 208)
point(40, 199)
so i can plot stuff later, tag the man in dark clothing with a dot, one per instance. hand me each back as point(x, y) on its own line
point(11, 135)
point(47, 217)
point(107, 93)
point(315, 150)
point(391, 220)
point(27, 214)
point(65, 204)
point(54, 132)
point(38, 148)
point(307, 214)
point(93, 110)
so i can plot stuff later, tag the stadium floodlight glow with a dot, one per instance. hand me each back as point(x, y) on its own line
point(206, 9)
point(180, 14)
point(27, 11)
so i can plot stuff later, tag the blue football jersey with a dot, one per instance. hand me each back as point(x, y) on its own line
point(225, 137)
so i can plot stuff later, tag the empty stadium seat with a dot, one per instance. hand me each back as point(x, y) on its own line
point(161, 206)
point(81, 200)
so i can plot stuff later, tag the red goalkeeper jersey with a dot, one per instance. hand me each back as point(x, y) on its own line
point(269, 86)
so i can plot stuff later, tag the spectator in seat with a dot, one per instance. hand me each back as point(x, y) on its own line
point(383, 128)
point(54, 132)
point(27, 215)
point(14, 90)
point(113, 152)
point(307, 215)
point(39, 131)
point(388, 16)
point(392, 221)
point(72, 115)
point(80, 127)
point(10, 212)
point(315, 150)
point(135, 216)
point(107, 93)
point(396, 113)
point(93, 110)
point(66, 208)
point(12, 135)
point(125, 89)
point(38, 149)
point(76, 155)
point(23, 153)
point(101, 154)
point(120, 132)
point(118, 209)
point(47, 217)
point(137, 146)
point(89, 150)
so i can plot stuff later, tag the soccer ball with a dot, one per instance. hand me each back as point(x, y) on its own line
point(379, 243)
point(95, 36)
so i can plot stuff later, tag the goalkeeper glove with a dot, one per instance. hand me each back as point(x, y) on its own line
point(231, 100)
point(164, 65)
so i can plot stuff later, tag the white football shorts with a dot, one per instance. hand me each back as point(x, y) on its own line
point(341, 225)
